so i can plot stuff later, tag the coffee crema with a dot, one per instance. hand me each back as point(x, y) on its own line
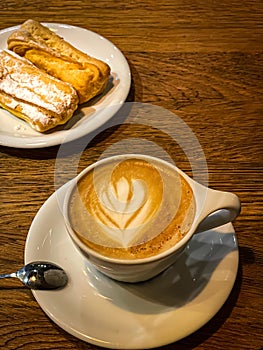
point(131, 208)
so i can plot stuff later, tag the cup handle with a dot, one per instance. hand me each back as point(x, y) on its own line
point(219, 208)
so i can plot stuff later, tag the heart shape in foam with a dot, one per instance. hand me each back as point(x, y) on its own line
point(125, 201)
point(123, 198)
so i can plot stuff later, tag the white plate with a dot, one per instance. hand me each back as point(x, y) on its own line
point(116, 315)
point(17, 133)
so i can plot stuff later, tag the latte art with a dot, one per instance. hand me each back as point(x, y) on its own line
point(126, 208)
point(124, 196)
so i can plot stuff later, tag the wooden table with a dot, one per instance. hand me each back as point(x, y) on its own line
point(201, 60)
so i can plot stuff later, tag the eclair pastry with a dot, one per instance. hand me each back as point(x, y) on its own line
point(57, 57)
point(33, 95)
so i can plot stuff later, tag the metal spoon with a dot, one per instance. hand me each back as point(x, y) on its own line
point(40, 275)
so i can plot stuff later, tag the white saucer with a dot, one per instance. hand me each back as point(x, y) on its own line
point(116, 315)
point(17, 133)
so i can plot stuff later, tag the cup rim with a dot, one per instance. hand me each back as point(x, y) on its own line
point(137, 261)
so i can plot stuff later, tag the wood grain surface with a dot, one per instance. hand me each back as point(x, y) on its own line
point(201, 60)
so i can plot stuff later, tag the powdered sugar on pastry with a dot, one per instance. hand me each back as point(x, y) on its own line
point(52, 54)
point(43, 101)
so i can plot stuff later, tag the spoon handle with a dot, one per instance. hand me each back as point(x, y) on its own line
point(8, 275)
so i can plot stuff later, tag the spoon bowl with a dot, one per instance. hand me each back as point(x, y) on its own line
point(40, 275)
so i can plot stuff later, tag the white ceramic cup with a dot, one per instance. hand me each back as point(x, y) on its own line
point(213, 208)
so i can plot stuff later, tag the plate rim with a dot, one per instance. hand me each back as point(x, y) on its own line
point(72, 134)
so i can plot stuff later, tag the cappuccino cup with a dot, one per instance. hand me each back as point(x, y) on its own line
point(132, 215)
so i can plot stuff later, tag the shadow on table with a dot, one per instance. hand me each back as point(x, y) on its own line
point(201, 335)
point(177, 299)
point(179, 284)
point(246, 256)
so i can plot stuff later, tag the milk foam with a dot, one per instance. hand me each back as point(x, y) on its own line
point(129, 203)
point(123, 197)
